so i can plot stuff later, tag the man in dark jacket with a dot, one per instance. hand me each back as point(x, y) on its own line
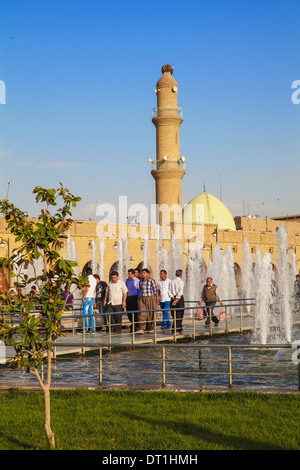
point(210, 295)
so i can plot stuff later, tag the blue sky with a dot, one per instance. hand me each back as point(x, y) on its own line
point(80, 79)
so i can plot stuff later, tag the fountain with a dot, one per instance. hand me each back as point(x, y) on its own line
point(284, 283)
point(127, 262)
point(221, 269)
point(247, 272)
point(146, 252)
point(273, 292)
point(102, 251)
point(121, 259)
point(257, 270)
point(228, 276)
point(162, 256)
point(93, 250)
point(263, 296)
point(175, 256)
point(72, 256)
point(35, 269)
point(195, 274)
point(72, 252)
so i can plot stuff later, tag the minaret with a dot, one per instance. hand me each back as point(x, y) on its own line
point(168, 169)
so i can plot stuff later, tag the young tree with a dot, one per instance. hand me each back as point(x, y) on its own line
point(39, 318)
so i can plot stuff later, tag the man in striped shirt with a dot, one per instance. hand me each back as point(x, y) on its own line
point(147, 301)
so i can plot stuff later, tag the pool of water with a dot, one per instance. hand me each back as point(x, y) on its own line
point(185, 369)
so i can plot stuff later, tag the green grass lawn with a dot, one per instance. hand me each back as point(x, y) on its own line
point(133, 420)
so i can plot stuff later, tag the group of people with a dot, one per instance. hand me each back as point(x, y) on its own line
point(141, 295)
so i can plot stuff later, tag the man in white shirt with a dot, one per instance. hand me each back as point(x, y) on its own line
point(163, 297)
point(177, 301)
point(88, 301)
point(115, 299)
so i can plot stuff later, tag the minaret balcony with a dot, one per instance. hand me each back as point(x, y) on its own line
point(166, 164)
point(167, 111)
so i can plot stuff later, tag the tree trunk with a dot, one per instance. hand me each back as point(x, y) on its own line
point(47, 422)
point(46, 389)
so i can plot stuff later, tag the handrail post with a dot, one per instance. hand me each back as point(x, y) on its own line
point(154, 319)
point(241, 323)
point(226, 320)
point(100, 366)
point(194, 324)
point(229, 367)
point(163, 366)
point(298, 357)
point(175, 326)
point(133, 326)
point(109, 328)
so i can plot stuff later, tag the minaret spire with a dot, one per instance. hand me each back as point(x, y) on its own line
point(169, 167)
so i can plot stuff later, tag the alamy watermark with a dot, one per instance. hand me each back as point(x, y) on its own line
point(2, 352)
point(296, 95)
point(158, 221)
point(2, 92)
point(296, 354)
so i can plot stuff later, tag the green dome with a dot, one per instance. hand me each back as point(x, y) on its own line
point(213, 210)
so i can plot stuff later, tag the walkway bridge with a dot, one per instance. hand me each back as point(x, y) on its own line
point(239, 317)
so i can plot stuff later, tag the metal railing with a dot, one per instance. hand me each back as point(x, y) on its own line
point(190, 321)
point(235, 311)
point(239, 317)
point(162, 362)
point(163, 164)
point(167, 111)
